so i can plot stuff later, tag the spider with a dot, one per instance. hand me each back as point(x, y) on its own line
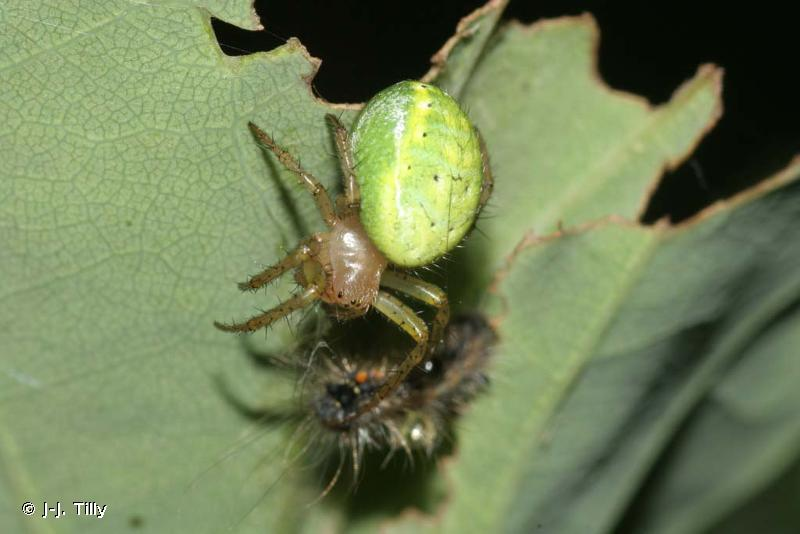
point(416, 174)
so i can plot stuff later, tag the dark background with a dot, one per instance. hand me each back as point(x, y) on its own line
point(367, 45)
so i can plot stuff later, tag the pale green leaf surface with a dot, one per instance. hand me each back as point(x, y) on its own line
point(133, 198)
point(565, 149)
point(238, 12)
point(611, 335)
point(737, 441)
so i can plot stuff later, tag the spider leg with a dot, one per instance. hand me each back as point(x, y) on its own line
point(488, 179)
point(405, 318)
point(270, 316)
point(303, 252)
point(424, 292)
point(308, 181)
point(351, 192)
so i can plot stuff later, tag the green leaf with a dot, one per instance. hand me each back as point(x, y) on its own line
point(612, 335)
point(739, 439)
point(774, 510)
point(565, 148)
point(455, 62)
point(134, 197)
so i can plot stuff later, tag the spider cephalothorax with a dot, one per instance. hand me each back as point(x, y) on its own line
point(346, 265)
point(423, 176)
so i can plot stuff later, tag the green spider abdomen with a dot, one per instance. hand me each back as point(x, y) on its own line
point(419, 167)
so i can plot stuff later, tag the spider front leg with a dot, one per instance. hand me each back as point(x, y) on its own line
point(308, 181)
point(352, 195)
point(405, 318)
point(295, 303)
point(303, 252)
point(424, 292)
